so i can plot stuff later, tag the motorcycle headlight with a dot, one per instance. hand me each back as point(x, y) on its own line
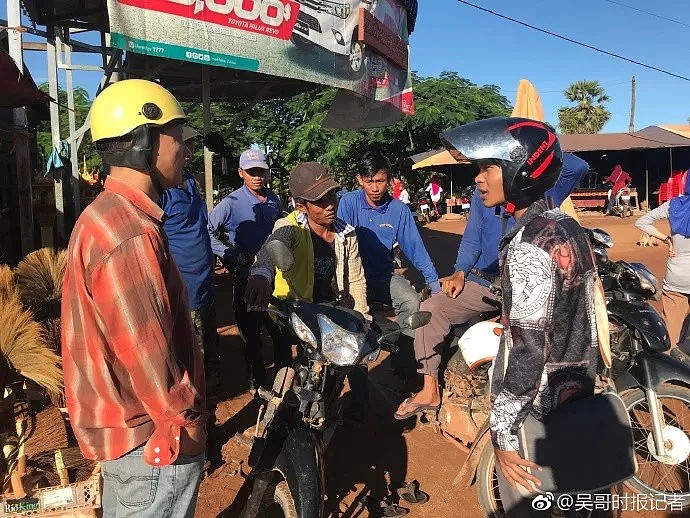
point(302, 330)
point(648, 280)
point(339, 346)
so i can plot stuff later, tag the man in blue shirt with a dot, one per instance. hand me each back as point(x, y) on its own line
point(466, 294)
point(185, 226)
point(238, 226)
point(380, 221)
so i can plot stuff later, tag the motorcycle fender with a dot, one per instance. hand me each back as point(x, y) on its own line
point(643, 317)
point(651, 369)
point(465, 478)
point(300, 463)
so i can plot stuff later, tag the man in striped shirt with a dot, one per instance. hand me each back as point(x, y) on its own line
point(134, 376)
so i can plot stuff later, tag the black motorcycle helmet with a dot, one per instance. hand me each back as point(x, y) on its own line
point(528, 152)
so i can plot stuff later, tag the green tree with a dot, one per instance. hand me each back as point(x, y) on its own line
point(292, 131)
point(589, 115)
point(82, 105)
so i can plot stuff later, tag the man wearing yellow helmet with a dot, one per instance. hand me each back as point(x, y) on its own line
point(134, 378)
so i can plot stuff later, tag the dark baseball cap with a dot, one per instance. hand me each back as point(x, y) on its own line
point(311, 181)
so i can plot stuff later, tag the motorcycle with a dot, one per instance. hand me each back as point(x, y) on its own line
point(622, 207)
point(654, 386)
point(300, 414)
point(466, 200)
point(426, 213)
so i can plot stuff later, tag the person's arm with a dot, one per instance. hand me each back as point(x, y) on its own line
point(413, 247)
point(646, 222)
point(471, 244)
point(218, 221)
point(258, 290)
point(355, 281)
point(526, 349)
point(574, 168)
point(131, 297)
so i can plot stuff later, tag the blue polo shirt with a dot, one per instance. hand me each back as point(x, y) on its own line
point(185, 226)
point(378, 228)
point(479, 245)
point(240, 224)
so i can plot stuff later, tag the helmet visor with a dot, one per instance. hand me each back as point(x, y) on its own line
point(487, 139)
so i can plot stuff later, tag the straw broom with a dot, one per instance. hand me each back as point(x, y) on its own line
point(39, 279)
point(24, 349)
point(8, 283)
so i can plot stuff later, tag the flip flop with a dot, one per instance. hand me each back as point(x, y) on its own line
point(411, 493)
point(417, 410)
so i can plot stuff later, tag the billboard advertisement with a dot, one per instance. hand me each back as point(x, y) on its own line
point(356, 45)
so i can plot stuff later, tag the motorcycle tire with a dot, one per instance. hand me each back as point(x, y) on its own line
point(487, 484)
point(278, 502)
point(651, 473)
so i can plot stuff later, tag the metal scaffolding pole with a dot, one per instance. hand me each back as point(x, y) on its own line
point(21, 146)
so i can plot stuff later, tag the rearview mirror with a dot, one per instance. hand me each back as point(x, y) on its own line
point(215, 142)
point(281, 255)
point(417, 320)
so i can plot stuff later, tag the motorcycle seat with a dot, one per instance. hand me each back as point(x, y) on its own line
point(457, 330)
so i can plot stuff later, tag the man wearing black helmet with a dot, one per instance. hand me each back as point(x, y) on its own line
point(547, 269)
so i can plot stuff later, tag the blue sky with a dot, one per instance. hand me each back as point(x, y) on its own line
point(489, 50)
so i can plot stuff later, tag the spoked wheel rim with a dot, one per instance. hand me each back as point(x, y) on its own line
point(672, 476)
point(492, 484)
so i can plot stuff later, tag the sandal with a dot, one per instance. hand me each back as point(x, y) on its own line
point(417, 409)
point(411, 493)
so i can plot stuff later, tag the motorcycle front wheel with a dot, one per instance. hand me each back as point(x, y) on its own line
point(278, 502)
point(667, 478)
point(487, 484)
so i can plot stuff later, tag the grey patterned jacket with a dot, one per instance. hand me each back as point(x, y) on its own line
point(550, 350)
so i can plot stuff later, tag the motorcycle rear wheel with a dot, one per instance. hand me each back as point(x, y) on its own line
point(487, 484)
point(667, 481)
point(278, 502)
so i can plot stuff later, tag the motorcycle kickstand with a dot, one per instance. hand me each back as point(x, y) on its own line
point(259, 487)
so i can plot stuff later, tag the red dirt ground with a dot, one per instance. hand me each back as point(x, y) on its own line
point(361, 461)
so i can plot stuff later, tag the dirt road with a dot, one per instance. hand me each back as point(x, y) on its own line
point(362, 460)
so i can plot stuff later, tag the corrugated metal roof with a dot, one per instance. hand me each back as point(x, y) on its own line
point(652, 137)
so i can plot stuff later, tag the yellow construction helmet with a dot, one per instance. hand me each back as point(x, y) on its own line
point(128, 104)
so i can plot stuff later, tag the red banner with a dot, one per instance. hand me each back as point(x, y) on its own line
point(274, 18)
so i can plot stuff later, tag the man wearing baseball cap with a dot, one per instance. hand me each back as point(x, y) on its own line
point(239, 226)
point(327, 261)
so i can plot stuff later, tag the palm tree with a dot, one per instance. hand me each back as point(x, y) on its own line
point(589, 115)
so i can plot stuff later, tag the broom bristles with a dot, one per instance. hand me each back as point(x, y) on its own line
point(40, 275)
point(8, 283)
point(23, 346)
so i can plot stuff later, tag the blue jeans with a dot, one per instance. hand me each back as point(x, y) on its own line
point(395, 290)
point(133, 488)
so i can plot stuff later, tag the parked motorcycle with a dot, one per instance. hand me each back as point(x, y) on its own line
point(426, 213)
point(621, 206)
point(301, 412)
point(655, 387)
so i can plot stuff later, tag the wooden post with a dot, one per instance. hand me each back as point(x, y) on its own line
point(53, 45)
point(21, 144)
point(631, 127)
point(208, 156)
point(73, 181)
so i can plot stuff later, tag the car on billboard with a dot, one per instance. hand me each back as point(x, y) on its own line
point(333, 25)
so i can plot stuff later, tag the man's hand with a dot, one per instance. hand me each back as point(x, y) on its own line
point(512, 465)
point(257, 294)
point(453, 284)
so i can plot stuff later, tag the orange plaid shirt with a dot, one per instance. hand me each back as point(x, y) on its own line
point(133, 367)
